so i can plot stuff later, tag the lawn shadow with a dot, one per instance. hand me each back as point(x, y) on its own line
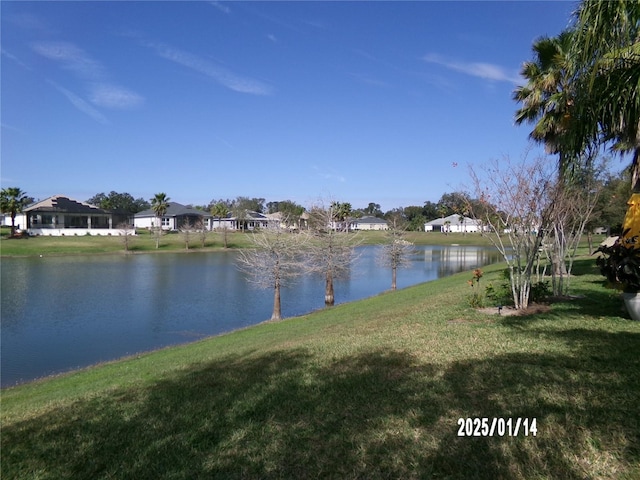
point(376, 414)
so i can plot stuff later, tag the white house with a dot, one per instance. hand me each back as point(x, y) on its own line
point(59, 215)
point(453, 223)
point(254, 221)
point(369, 223)
point(20, 220)
point(174, 218)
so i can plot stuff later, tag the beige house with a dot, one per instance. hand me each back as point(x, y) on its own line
point(369, 223)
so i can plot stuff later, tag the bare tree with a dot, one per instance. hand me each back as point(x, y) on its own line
point(200, 228)
point(570, 209)
point(126, 233)
point(395, 252)
point(220, 211)
point(274, 261)
point(513, 208)
point(330, 250)
point(187, 232)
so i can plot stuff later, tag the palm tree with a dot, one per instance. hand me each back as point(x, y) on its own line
point(548, 101)
point(606, 59)
point(548, 98)
point(12, 201)
point(341, 213)
point(159, 204)
point(219, 210)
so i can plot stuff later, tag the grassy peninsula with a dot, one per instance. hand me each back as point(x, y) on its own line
point(373, 389)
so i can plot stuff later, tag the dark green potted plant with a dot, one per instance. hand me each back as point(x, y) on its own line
point(620, 264)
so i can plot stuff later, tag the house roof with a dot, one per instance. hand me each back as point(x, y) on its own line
point(174, 209)
point(274, 216)
point(63, 204)
point(251, 215)
point(453, 220)
point(370, 220)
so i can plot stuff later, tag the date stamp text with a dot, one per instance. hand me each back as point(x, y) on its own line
point(497, 427)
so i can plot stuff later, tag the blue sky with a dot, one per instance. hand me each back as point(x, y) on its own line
point(385, 102)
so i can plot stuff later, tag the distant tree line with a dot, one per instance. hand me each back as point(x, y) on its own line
point(607, 214)
point(119, 202)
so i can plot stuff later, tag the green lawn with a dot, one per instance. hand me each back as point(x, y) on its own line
point(87, 244)
point(372, 389)
point(144, 242)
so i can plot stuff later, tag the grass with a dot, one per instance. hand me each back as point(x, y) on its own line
point(174, 242)
point(371, 389)
point(143, 242)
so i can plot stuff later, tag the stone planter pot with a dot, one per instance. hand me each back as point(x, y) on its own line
point(632, 302)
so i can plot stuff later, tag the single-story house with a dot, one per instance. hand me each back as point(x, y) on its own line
point(453, 223)
point(20, 220)
point(176, 216)
point(60, 215)
point(369, 223)
point(249, 221)
point(278, 218)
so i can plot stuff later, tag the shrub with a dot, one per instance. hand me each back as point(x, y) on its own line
point(539, 291)
point(500, 294)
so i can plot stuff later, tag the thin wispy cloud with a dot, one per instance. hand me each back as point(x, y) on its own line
point(6, 126)
point(486, 71)
point(435, 80)
point(100, 91)
point(71, 57)
point(80, 104)
point(362, 78)
point(221, 75)
point(27, 21)
point(113, 96)
point(328, 175)
point(15, 59)
point(222, 140)
point(221, 7)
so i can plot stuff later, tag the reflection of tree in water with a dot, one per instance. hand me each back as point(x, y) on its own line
point(456, 259)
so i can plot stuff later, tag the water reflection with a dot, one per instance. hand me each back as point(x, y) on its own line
point(455, 259)
point(61, 313)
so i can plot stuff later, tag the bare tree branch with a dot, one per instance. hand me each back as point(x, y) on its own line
point(330, 249)
point(395, 252)
point(274, 261)
point(514, 209)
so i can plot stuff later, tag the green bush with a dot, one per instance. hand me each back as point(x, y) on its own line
point(500, 294)
point(539, 291)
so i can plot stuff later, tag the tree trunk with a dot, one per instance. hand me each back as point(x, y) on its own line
point(277, 311)
point(635, 170)
point(393, 277)
point(329, 299)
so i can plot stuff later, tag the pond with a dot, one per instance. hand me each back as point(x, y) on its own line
point(63, 313)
